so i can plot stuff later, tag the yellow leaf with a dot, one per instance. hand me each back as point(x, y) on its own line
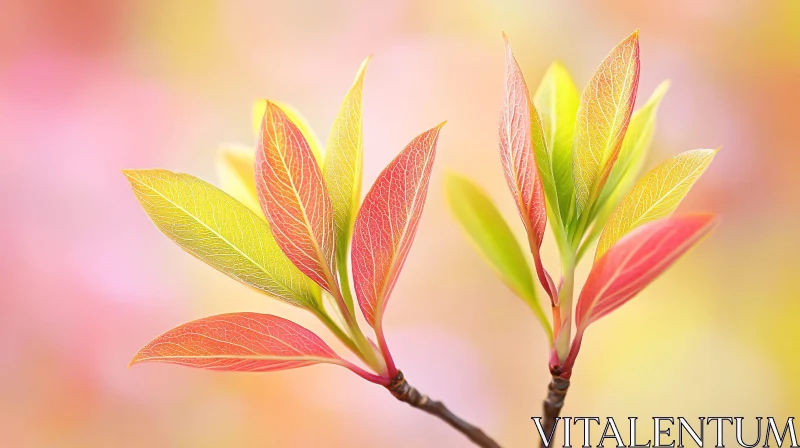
point(215, 228)
point(557, 101)
point(603, 116)
point(260, 106)
point(344, 163)
point(236, 172)
point(656, 195)
point(634, 150)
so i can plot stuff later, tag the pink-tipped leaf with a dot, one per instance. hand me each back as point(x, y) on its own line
point(244, 342)
point(518, 120)
point(294, 199)
point(635, 261)
point(387, 222)
point(629, 266)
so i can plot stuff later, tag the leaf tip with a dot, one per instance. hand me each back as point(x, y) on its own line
point(137, 358)
point(452, 179)
point(633, 40)
point(362, 69)
point(134, 175)
point(557, 65)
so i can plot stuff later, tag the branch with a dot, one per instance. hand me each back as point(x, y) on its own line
point(404, 392)
point(556, 392)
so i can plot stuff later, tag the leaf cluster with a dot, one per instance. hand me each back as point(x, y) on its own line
point(575, 159)
point(289, 221)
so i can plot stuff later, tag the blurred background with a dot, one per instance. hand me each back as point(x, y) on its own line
point(89, 87)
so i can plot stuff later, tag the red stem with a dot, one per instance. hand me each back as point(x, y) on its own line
point(387, 355)
point(371, 377)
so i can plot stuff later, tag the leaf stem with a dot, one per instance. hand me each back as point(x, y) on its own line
point(338, 332)
point(358, 344)
point(404, 392)
point(344, 282)
point(387, 355)
point(363, 348)
point(371, 377)
point(564, 333)
point(597, 228)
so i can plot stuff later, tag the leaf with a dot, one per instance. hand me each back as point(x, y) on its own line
point(344, 164)
point(636, 144)
point(242, 342)
point(519, 135)
point(387, 222)
point(635, 261)
point(489, 231)
point(235, 172)
point(220, 231)
point(294, 199)
point(260, 107)
point(656, 195)
point(557, 101)
point(603, 116)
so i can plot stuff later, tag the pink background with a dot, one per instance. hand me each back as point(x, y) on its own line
point(89, 87)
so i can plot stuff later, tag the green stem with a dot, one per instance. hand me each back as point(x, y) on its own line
point(366, 349)
point(565, 304)
point(373, 359)
point(580, 229)
point(361, 346)
point(344, 281)
point(587, 242)
point(338, 332)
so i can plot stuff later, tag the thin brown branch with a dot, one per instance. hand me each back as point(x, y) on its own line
point(404, 392)
point(556, 393)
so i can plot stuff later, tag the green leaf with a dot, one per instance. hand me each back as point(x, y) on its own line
point(557, 100)
point(545, 168)
point(634, 150)
point(343, 166)
point(489, 231)
point(215, 228)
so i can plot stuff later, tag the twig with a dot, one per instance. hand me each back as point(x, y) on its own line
point(556, 392)
point(404, 392)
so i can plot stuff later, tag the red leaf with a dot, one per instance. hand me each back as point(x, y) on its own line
point(387, 221)
point(635, 261)
point(248, 342)
point(294, 198)
point(519, 165)
point(629, 266)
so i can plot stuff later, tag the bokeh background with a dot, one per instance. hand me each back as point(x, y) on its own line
point(89, 87)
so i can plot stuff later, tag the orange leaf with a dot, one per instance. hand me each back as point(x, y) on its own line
point(245, 342)
point(519, 163)
point(293, 196)
point(387, 222)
